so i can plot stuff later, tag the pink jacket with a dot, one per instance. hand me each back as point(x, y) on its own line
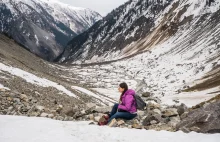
point(128, 102)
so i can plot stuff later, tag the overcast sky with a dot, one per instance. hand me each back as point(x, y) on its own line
point(101, 6)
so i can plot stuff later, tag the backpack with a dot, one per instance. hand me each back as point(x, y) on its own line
point(140, 102)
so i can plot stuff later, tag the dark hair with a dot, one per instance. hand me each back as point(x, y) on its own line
point(125, 87)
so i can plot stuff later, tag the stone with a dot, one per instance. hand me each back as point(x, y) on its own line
point(40, 108)
point(202, 120)
point(106, 109)
point(157, 111)
point(174, 121)
point(71, 111)
point(146, 94)
point(170, 112)
point(181, 109)
point(24, 97)
point(154, 106)
point(136, 126)
point(140, 113)
point(92, 123)
point(150, 118)
point(120, 122)
point(66, 119)
point(50, 115)
point(17, 100)
point(153, 122)
point(44, 114)
point(2, 90)
point(91, 117)
point(60, 118)
point(184, 115)
point(97, 118)
point(113, 123)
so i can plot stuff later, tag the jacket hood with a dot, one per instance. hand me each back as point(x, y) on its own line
point(130, 92)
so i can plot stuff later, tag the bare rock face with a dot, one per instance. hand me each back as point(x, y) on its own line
point(205, 119)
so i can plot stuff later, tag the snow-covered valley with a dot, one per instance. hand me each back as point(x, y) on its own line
point(175, 68)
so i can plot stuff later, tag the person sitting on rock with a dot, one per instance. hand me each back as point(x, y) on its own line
point(126, 108)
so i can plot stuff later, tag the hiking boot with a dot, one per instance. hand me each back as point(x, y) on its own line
point(106, 117)
point(102, 121)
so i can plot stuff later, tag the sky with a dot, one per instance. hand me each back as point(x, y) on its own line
point(103, 7)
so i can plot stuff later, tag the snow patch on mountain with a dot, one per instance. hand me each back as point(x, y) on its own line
point(34, 79)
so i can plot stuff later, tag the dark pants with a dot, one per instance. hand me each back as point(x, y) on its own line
point(124, 115)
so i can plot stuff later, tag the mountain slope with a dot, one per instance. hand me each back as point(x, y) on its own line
point(140, 25)
point(130, 22)
point(44, 26)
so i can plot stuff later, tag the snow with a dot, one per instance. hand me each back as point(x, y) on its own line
point(85, 91)
point(103, 98)
point(24, 129)
point(191, 98)
point(112, 93)
point(31, 78)
point(62, 13)
point(3, 87)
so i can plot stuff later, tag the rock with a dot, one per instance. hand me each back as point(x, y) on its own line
point(34, 114)
point(184, 115)
point(157, 100)
point(40, 108)
point(92, 123)
point(106, 109)
point(44, 114)
point(59, 109)
point(71, 111)
point(153, 106)
point(146, 94)
point(83, 112)
point(91, 117)
point(203, 120)
point(136, 126)
point(181, 109)
point(157, 111)
point(60, 118)
point(91, 105)
point(140, 113)
point(129, 126)
point(17, 100)
point(170, 112)
point(24, 97)
point(97, 118)
point(120, 122)
point(113, 123)
point(153, 122)
point(50, 115)
point(2, 90)
point(174, 121)
point(66, 119)
point(150, 118)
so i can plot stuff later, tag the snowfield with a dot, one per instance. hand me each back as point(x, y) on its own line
point(24, 129)
point(31, 78)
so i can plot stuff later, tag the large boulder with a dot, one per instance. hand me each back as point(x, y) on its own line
point(205, 119)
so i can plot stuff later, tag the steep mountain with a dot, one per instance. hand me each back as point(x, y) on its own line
point(141, 25)
point(44, 26)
